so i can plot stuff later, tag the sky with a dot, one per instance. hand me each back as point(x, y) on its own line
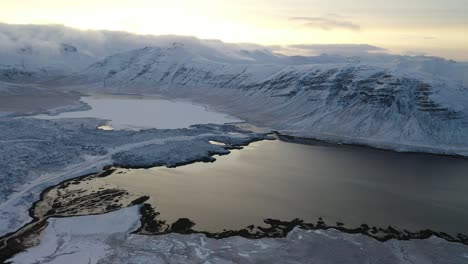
point(410, 27)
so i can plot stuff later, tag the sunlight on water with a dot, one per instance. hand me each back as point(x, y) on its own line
point(281, 180)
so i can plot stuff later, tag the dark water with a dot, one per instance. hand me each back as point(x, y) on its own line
point(281, 180)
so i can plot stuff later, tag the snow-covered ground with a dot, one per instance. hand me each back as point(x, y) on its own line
point(80, 239)
point(107, 239)
point(134, 113)
point(39, 153)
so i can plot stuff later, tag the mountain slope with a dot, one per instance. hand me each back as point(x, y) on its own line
point(393, 102)
point(31, 53)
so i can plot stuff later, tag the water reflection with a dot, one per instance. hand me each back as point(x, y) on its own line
point(282, 180)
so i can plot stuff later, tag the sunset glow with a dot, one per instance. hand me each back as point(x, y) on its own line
point(429, 27)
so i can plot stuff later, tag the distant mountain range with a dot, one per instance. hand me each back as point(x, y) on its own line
point(388, 101)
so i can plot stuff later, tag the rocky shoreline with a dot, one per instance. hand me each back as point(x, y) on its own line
point(64, 200)
point(64, 204)
point(150, 225)
point(103, 200)
point(278, 229)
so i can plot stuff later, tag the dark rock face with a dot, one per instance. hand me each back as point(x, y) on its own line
point(67, 48)
point(422, 93)
point(16, 74)
point(181, 226)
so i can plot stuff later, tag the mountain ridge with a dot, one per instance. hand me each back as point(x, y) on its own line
point(389, 101)
point(378, 104)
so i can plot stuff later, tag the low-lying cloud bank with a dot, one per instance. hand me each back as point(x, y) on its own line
point(332, 49)
point(45, 41)
point(60, 49)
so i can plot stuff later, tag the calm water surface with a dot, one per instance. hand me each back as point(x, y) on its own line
point(281, 180)
point(137, 112)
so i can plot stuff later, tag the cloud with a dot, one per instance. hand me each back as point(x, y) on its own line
point(329, 22)
point(334, 49)
point(415, 53)
point(46, 40)
point(43, 45)
point(417, 37)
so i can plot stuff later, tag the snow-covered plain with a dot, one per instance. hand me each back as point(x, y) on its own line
point(107, 239)
point(137, 113)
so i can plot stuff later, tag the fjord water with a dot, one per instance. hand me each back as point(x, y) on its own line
point(282, 180)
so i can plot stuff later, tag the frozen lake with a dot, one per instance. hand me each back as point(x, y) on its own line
point(137, 112)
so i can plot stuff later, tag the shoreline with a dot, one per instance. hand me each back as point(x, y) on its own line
point(10, 244)
point(17, 241)
point(14, 241)
point(333, 143)
point(280, 229)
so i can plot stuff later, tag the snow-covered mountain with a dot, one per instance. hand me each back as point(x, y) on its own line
point(389, 101)
point(405, 103)
point(38, 52)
